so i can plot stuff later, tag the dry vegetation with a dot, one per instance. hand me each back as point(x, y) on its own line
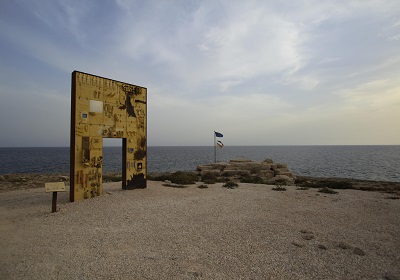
point(28, 181)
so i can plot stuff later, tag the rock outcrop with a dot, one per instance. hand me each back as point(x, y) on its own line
point(267, 170)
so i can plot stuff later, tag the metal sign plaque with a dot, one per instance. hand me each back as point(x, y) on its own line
point(55, 187)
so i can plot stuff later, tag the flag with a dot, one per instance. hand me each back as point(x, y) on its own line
point(217, 134)
point(220, 144)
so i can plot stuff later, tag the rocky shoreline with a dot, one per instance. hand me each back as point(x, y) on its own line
point(22, 181)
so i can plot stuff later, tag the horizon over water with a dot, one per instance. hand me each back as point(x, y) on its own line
point(369, 162)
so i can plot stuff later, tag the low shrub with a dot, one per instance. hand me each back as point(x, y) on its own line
point(331, 184)
point(342, 185)
point(224, 179)
point(302, 188)
point(252, 179)
point(281, 182)
point(209, 178)
point(327, 190)
point(369, 189)
point(307, 185)
point(183, 178)
point(300, 181)
point(159, 177)
point(393, 197)
point(230, 185)
point(151, 177)
point(279, 188)
point(173, 185)
point(179, 177)
point(255, 170)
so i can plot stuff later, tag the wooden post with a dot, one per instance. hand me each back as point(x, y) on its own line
point(54, 203)
point(55, 187)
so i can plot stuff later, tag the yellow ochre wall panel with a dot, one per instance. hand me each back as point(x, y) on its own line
point(105, 108)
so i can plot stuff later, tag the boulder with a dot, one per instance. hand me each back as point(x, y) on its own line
point(281, 169)
point(282, 172)
point(230, 172)
point(240, 160)
point(63, 178)
point(266, 169)
point(289, 174)
point(204, 167)
point(212, 166)
point(217, 172)
point(266, 165)
point(248, 166)
point(266, 174)
point(219, 165)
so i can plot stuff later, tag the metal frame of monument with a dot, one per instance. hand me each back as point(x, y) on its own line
point(105, 108)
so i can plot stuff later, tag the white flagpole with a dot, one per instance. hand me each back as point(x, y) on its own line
point(215, 148)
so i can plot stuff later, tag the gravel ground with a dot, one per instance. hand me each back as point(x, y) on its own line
point(250, 232)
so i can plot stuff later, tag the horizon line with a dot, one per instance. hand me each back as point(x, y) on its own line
point(225, 146)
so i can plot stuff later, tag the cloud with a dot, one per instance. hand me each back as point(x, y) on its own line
point(63, 15)
point(263, 72)
point(185, 121)
point(373, 95)
point(300, 81)
point(34, 116)
point(254, 45)
point(40, 43)
point(329, 60)
point(382, 68)
point(230, 44)
point(243, 42)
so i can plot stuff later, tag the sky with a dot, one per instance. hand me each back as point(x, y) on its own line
point(260, 72)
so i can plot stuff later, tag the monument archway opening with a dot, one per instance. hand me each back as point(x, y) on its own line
point(112, 158)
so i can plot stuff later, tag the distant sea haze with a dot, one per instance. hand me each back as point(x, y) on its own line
point(380, 163)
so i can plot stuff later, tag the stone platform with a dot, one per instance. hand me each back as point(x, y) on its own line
point(236, 168)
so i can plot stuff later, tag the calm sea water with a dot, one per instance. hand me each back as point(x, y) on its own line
point(359, 162)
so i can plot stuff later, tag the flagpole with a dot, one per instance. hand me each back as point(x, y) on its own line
point(215, 148)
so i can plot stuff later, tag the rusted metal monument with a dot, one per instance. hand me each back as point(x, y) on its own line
point(105, 108)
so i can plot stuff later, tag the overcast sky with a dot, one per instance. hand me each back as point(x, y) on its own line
point(260, 72)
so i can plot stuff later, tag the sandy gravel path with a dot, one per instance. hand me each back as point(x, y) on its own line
point(251, 232)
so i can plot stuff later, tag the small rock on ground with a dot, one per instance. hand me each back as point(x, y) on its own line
point(358, 251)
point(344, 246)
point(390, 276)
point(297, 244)
point(308, 236)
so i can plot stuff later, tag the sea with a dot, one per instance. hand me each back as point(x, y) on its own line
point(377, 163)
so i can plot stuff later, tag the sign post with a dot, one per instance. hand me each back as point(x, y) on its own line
point(54, 188)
